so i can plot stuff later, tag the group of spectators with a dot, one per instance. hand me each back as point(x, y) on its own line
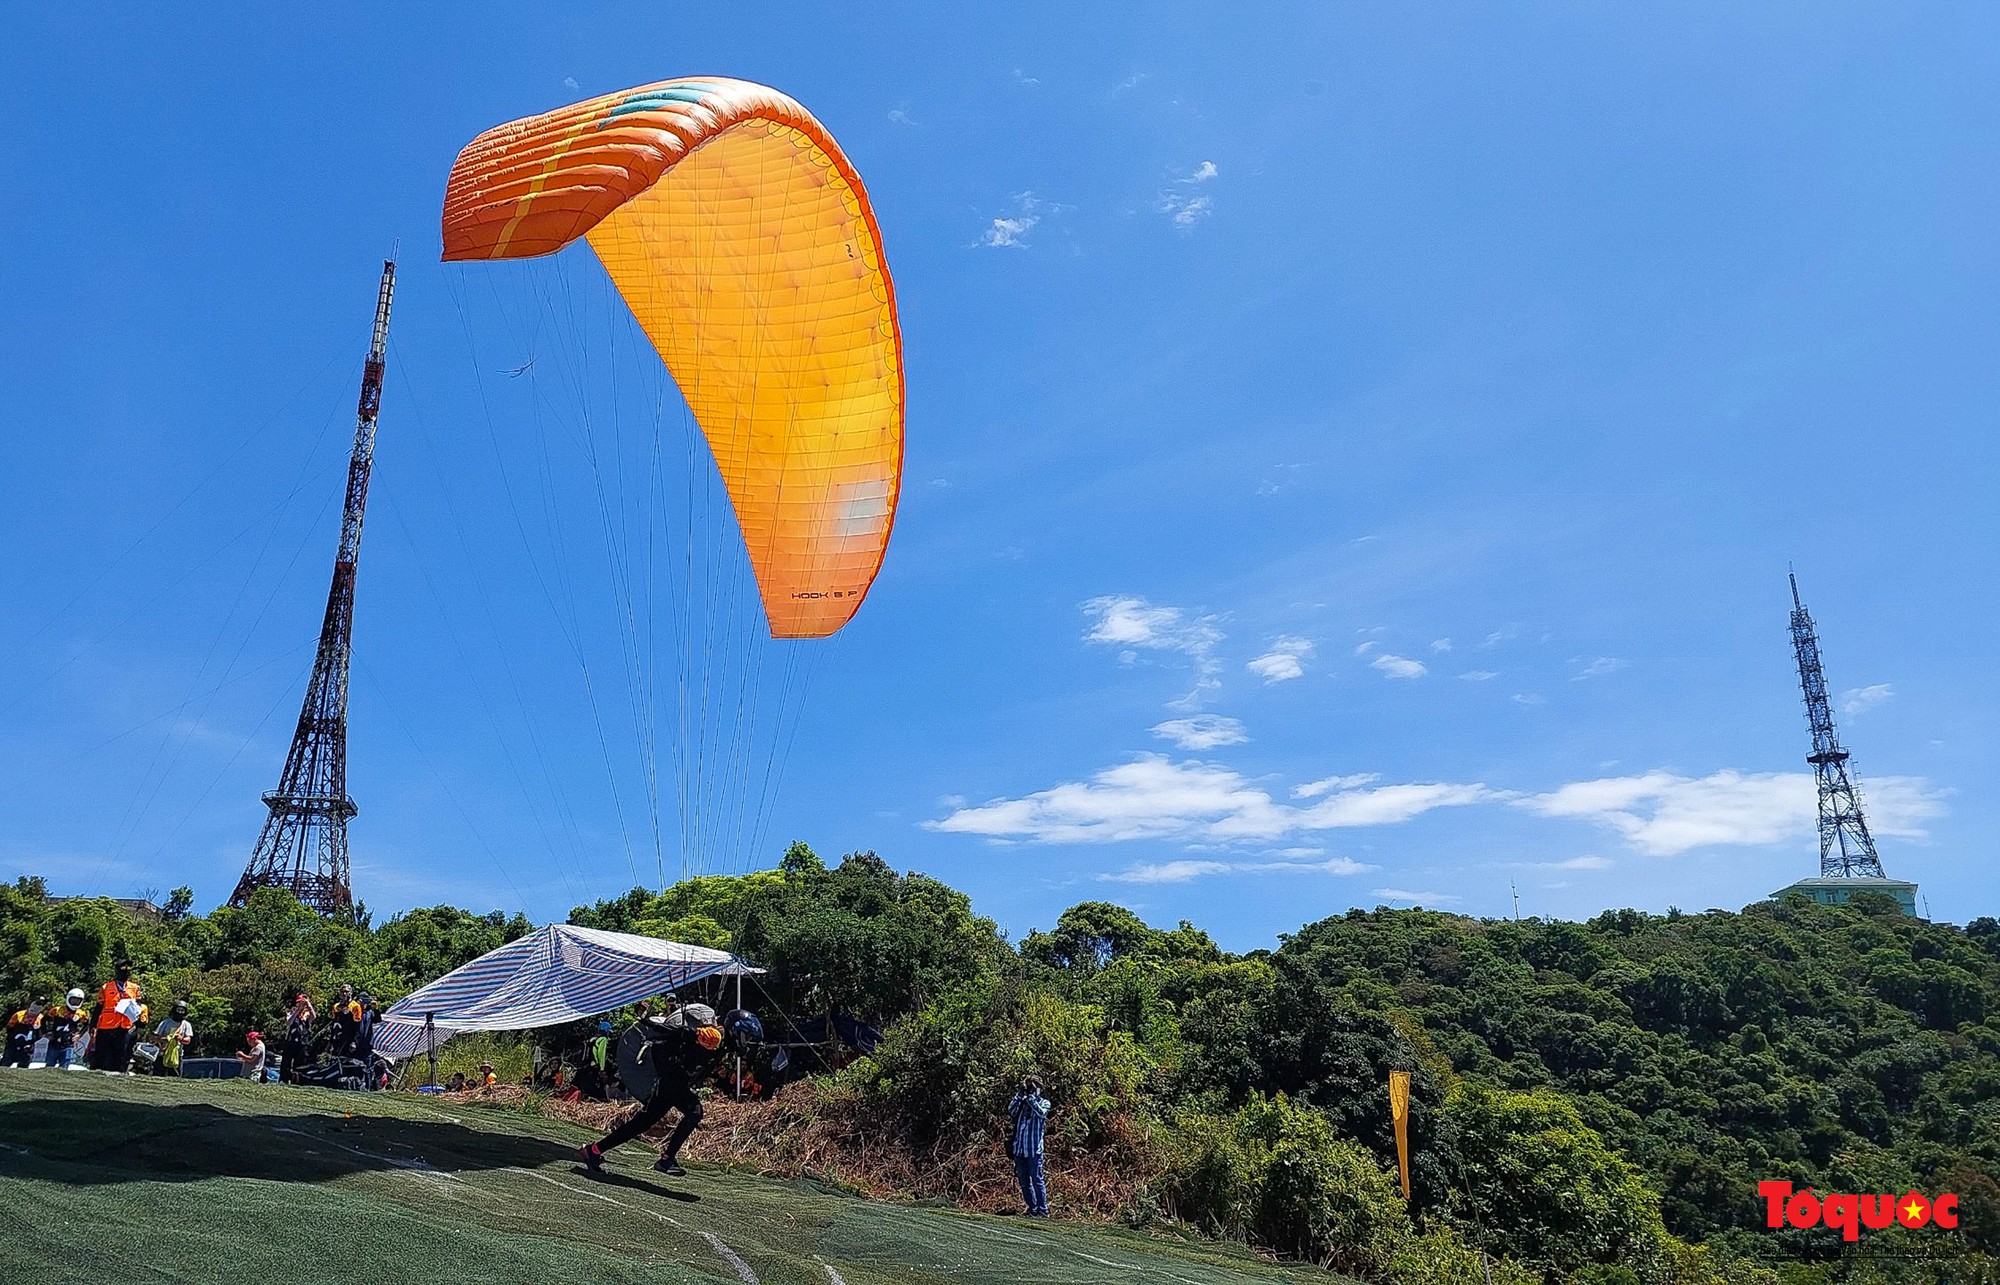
point(104, 1035)
point(350, 1033)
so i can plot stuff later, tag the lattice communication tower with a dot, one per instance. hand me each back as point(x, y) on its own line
point(1846, 849)
point(303, 846)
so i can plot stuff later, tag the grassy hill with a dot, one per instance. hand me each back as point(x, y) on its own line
point(212, 1180)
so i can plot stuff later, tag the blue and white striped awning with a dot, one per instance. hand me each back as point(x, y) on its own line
point(559, 974)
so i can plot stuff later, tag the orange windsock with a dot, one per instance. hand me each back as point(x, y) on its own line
point(745, 245)
point(1399, 1114)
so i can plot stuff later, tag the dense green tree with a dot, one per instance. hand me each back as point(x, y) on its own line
point(1088, 937)
point(861, 938)
point(1536, 1184)
point(426, 944)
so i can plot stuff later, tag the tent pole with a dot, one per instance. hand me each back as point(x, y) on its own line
point(739, 1054)
point(431, 1038)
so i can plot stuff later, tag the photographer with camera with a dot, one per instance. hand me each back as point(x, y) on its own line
point(1029, 1111)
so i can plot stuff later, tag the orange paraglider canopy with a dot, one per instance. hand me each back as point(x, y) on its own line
point(744, 243)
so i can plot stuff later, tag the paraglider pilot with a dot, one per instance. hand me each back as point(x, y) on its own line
point(683, 1051)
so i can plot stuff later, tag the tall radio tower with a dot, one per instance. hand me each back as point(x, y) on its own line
point(303, 846)
point(1846, 849)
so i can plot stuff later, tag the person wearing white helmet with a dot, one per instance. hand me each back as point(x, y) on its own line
point(61, 1024)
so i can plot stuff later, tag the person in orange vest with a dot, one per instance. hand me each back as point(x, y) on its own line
point(117, 1010)
point(486, 1077)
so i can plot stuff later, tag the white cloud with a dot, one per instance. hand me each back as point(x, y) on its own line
point(1499, 636)
point(1122, 620)
point(1390, 804)
point(1441, 645)
point(900, 116)
point(1858, 700)
point(1597, 668)
point(1313, 789)
point(1587, 862)
point(1416, 898)
point(1167, 872)
point(1331, 866)
point(1187, 208)
point(1529, 698)
point(1154, 797)
point(1131, 82)
point(1663, 814)
point(1004, 232)
point(1478, 675)
point(1399, 666)
point(1183, 871)
point(1186, 211)
point(569, 83)
point(1898, 806)
point(1024, 78)
point(1284, 662)
point(1010, 231)
point(1362, 649)
point(1202, 732)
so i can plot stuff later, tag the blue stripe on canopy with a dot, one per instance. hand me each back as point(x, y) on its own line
point(559, 974)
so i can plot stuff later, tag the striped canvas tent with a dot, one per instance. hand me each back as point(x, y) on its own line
point(559, 974)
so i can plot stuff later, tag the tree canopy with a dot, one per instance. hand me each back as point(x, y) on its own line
point(1591, 1102)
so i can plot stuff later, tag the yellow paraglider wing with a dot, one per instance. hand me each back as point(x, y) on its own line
point(744, 243)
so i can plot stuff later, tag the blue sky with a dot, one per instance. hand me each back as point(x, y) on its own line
point(1354, 455)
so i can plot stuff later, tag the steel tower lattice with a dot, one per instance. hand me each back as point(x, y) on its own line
point(303, 845)
point(1846, 849)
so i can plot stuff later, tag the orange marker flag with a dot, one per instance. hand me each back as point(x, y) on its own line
point(1399, 1111)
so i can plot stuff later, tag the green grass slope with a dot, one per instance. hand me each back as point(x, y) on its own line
point(203, 1181)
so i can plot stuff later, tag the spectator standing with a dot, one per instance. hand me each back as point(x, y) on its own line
point(253, 1057)
point(22, 1025)
point(117, 1011)
point(61, 1024)
point(298, 1038)
point(364, 1027)
point(346, 1022)
point(1029, 1111)
point(173, 1036)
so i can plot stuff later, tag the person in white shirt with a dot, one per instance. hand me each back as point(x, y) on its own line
point(173, 1036)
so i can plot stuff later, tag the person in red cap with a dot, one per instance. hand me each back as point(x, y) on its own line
point(253, 1057)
